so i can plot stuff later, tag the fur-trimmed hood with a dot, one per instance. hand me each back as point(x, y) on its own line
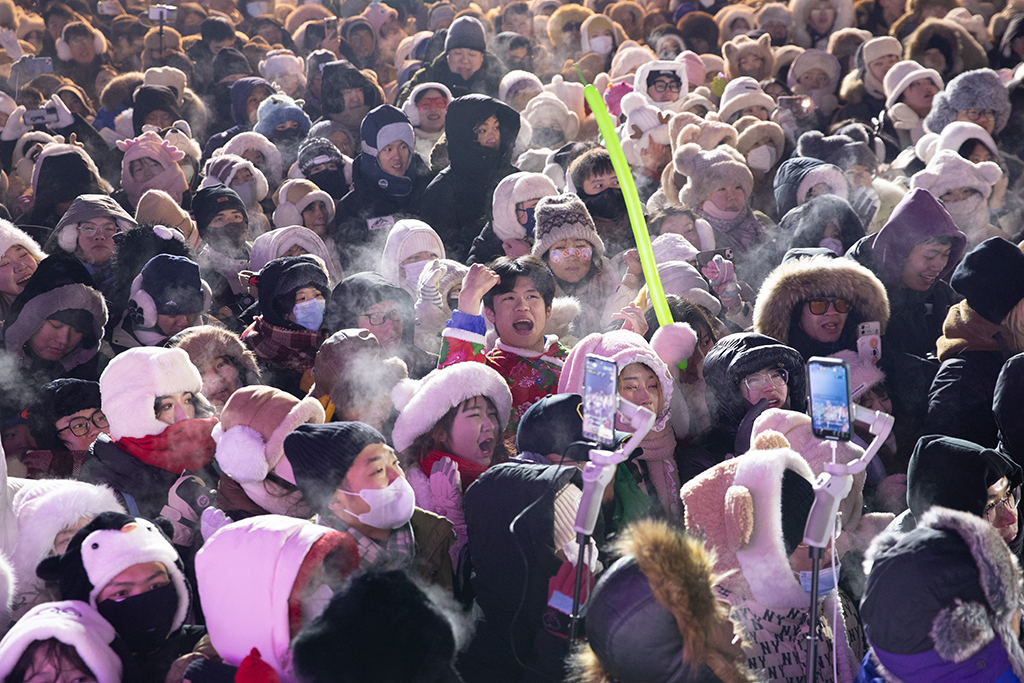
point(205, 343)
point(798, 280)
point(967, 54)
point(253, 140)
point(947, 594)
point(800, 10)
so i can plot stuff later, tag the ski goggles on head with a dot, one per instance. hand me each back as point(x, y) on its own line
point(559, 255)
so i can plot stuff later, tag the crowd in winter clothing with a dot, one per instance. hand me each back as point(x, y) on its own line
point(298, 302)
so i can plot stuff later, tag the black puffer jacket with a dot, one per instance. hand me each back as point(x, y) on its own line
point(484, 82)
point(359, 292)
point(457, 202)
point(1009, 397)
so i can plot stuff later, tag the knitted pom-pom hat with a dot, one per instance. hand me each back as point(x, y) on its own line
point(560, 217)
point(422, 403)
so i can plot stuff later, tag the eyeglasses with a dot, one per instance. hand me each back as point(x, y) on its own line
point(820, 306)
point(979, 114)
point(90, 230)
point(426, 103)
point(994, 511)
point(760, 381)
point(80, 425)
point(378, 319)
point(662, 86)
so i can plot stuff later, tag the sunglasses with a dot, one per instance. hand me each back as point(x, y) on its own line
point(432, 103)
point(820, 306)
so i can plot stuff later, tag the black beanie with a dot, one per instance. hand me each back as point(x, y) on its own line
point(797, 499)
point(58, 399)
point(150, 98)
point(211, 200)
point(277, 283)
point(174, 284)
point(991, 278)
point(321, 455)
point(229, 62)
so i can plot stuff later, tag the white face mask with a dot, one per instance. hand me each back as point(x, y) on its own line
point(832, 243)
point(761, 158)
point(310, 314)
point(602, 45)
point(390, 508)
point(412, 272)
point(828, 579)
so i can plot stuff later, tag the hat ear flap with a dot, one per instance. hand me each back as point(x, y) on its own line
point(63, 50)
point(739, 517)
point(287, 214)
point(141, 306)
point(99, 42)
point(68, 240)
point(207, 296)
point(241, 453)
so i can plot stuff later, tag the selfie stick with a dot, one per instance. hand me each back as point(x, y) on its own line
point(633, 205)
point(831, 487)
point(597, 474)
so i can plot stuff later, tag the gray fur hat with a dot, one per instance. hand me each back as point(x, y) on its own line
point(978, 89)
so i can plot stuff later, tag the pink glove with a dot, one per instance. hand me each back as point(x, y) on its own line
point(446, 491)
point(721, 276)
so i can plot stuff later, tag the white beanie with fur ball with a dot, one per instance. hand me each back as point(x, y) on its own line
point(422, 403)
point(134, 379)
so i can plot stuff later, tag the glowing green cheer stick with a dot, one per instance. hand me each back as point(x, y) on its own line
point(633, 206)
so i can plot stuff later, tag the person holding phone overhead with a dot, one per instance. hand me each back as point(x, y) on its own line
point(814, 304)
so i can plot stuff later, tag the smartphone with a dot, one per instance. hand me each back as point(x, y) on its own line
point(798, 104)
point(108, 8)
point(27, 68)
point(704, 257)
point(164, 13)
point(44, 116)
point(600, 400)
point(828, 380)
point(331, 26)
point(869, 341)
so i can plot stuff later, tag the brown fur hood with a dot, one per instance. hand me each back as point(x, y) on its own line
point(967, 53)
point(798, 280)
point(852, 90)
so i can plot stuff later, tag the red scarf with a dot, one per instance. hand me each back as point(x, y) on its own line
point(468, 471)
point(185, 445)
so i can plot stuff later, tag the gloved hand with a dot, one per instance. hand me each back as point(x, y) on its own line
point(721, 275)
point(212, 520)
point(64, 116)
point(446, 491)
point(186, 500)
point(16, 126)
point(9, 42)
point(430, 278)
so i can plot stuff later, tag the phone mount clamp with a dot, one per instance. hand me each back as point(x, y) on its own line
point(597, 474)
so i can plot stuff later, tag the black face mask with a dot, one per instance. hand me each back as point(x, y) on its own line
point(608, 204)
point(331, 182)
point(143, 621)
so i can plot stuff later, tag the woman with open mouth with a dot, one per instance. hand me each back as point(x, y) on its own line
point(19, 257)
point(448, 432)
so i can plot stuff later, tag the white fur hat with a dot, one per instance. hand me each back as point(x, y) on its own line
point(672, 247)
point(949, 171)
point(547, 111)
point(902, 74)
point(953, 137)
point(773, 12)
point(64, 50)
point(273, 244)
point(515, 188)
point(643, 124)
point(730, 13)
point(73, 623)
point(10, 235)
point(422, 403)
point(741, 93)
point(253, 424)
point(180, 136)
point(279, 63)
point(43, 509)
point(627, 60)
point(134, 379)
point(411, 111)
point(294, 196)
point(223, 168)
point(407, 237)
point(254, 141)
point(515, 81)
point(167, 76)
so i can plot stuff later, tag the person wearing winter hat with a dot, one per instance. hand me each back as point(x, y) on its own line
point(910, 90)
point(301, 203)
point(646, 142)
point(947, 46)
point(81, 51)
point(64, 421)
point(465, 66)
point(244, 98)
point(410, 247)
point(224, 363)
point(87, 231)
point(48, 514)
point(426, 108)
point(66, 639)
point(154, 105)
point(262, 153)
point(747, 57)
point(977, 96)
point(826, 221)
point(128, 570)
point(338, 467)
point(158, 45)
point(766, 560)
point(449, 430)
point(567, 241)
point(283, 122)
point(294, 240)
point(552, 123)
point(223, 224)
point(863, 89)
point(61, 174)
point(964, 189)
point(292, 565)
point(167, 297)
point(744, 97)
point(248, 182)
point(256, 478)
point(19, 257)
point(293, 294)
point(285, 70)
point(320, 162)
point(764, 145)
point(800, 179)
point(941, 602)
point(663, 84)
point(980, 333)
point(518, 88)
point(814, 21)
point(661, 589)
point(481, 134)
point(775, 19)
point(858, 163)
point(510, 230)
point(389, 182)
point(816, 74)
point(55, 326)
point(348, 94)
point(156, 207)
point(150, 162)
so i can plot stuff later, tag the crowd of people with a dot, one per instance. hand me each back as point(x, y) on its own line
point(296, 302)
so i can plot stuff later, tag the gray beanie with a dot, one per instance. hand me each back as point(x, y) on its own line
point(560, 217)
point(465, 32)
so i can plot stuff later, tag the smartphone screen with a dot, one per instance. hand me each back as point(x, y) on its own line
point(829, 382)
point(600, 400)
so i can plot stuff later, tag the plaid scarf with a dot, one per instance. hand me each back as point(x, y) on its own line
point(289, 349)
